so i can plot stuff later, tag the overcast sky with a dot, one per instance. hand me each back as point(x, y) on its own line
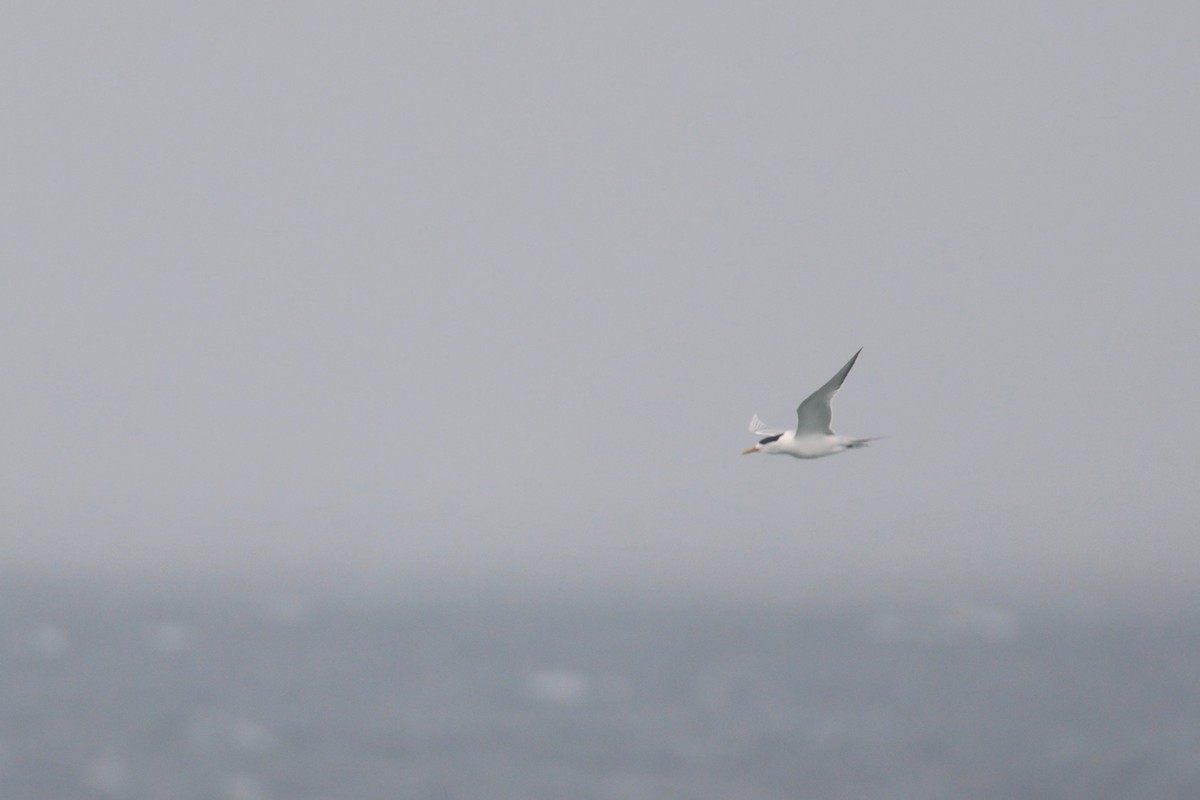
point(485, 294)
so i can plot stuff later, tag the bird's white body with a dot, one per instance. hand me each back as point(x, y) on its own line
point(810, 446)
point(812, 437)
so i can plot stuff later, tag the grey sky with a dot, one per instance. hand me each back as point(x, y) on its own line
point(486, 293)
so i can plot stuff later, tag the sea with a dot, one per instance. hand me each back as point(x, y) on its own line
point(187, 693)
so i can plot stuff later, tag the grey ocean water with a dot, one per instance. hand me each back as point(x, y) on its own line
point(174, 694)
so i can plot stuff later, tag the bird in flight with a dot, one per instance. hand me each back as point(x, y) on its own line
point(813, 437)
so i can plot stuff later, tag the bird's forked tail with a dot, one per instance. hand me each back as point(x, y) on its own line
point(853, 443)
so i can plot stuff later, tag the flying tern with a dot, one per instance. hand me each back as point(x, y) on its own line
point(812, 437)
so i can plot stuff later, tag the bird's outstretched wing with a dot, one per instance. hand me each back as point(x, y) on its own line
point(814, 414)
point(760, 428)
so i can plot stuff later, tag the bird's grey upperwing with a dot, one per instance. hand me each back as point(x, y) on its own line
point(814, 414)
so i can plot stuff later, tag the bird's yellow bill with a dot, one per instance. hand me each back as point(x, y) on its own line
point(750, 450)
